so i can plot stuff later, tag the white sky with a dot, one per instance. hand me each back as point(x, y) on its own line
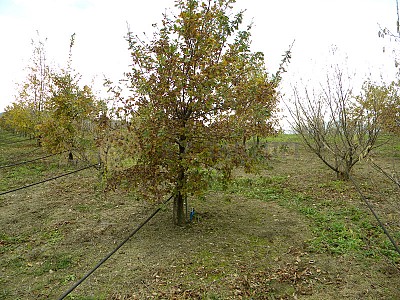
point(100, 26)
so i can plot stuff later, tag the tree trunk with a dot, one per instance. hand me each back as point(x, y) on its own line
point(178, 211)
point(343, 175)
point(39, 141)
point(70, 156)
point(180, 197)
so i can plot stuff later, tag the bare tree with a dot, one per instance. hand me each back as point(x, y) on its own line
point(334, 125)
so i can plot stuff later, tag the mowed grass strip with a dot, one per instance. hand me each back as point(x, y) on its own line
point(288, 232)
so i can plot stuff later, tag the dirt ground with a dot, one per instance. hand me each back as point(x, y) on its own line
point(251, 241)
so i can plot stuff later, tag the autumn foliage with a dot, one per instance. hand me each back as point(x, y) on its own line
point(53, 107)
point(197, 90)
point(196, 94)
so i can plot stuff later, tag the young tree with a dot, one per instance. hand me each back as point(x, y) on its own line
point(38, 83)
point(26, 112)
point(196, 90)
point(335, 125)
point(70, 110)
point(35, 90)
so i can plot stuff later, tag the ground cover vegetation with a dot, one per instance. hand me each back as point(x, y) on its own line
point(284, 233)
point(259, 216)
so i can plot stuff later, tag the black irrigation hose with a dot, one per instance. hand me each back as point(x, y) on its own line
point(115, 250)
point(394, 180)
point(49, 179)
point(28, 161)
point(375, 215)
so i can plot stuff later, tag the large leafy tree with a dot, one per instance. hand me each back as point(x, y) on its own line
point(196, 90)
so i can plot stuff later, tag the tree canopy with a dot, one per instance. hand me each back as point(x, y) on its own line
point(196, 90)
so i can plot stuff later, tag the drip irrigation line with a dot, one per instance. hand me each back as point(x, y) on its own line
point(115, 250)
point(375, 215)
point(392, 201)
point(29, 161)
point(14, 142)
point(393, 179)
point(46, 180)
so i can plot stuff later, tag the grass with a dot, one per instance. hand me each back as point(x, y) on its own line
point(285, 138)
point(289, 232)
point(338, 229)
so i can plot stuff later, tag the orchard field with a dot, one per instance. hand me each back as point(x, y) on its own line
point(197, 118)
point(289, 231)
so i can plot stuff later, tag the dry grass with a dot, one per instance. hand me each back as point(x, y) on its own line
point(268, 236)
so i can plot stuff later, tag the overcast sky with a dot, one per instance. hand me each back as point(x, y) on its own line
point(100, 26)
